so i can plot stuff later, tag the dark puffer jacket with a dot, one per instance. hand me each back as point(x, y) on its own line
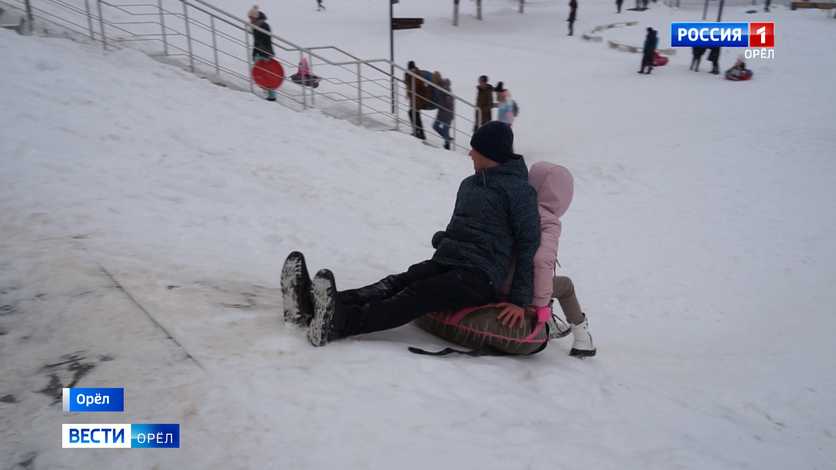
point(495, 220)
point(262, 42)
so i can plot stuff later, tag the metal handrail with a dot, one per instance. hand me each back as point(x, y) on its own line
point(362, 77)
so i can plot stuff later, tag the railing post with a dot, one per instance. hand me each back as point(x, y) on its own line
point(162, 27)
point(359, 94)
point(249, 60)
point(396, 108)
point(101, 24)
point(453, 112)
point(188, 34)
point(313, 90)
point(304, 82)
point(215, 45)
point(89, 19)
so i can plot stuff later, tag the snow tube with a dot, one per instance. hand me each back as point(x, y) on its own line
point(479, 329)
point(268, 74)
point(305, 80)
point(659, 60)
point(743, 75)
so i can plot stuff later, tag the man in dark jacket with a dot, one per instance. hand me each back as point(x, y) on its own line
point(650, 42)
point(484, 102)
point(495, 220)
point(262, 41)
point(618, 4)
point(417, 101)
point(573, 14)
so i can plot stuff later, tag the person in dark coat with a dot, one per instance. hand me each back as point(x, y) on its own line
point(415, 104)
point(714, 58)
point(573, 14)
point(262, 41)
point(319, 5)
point(445, 113)
point(618, 4)
point(696, 57)
point(650, 42)
point(484, 101)
point(495, 220)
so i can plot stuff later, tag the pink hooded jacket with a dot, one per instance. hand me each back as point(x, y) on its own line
point(555, 188)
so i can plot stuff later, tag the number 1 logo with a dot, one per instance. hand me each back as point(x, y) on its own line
point(762, 35)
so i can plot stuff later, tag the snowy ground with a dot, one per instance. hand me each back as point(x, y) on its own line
point(699, 240)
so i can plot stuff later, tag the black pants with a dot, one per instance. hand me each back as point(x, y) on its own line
point(400, 298)
point(417, 125)
point(695, 63)
point(481, 118)
point(571, 27)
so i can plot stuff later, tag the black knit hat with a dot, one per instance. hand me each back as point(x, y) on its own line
point(495, 140)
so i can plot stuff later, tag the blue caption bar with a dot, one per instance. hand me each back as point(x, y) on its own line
point(155, 436)
point(710, 34)
point(94, 400)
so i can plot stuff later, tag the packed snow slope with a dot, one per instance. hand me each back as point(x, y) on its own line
point(146, 214)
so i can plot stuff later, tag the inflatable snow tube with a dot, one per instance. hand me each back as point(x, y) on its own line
point(659, 60)
point(739, 76)
point(478, 328)
point(305, 80)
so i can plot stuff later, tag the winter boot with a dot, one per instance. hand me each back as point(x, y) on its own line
point(296, 290)
point(323, 327)
point(582, 345)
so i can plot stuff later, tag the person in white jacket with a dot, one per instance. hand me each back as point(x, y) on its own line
point(507, 108)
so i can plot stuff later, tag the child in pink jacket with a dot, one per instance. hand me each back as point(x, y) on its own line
point(555, 187)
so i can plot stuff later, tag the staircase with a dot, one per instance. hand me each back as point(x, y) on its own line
point(217, 46)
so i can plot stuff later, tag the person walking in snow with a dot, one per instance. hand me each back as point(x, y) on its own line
point(650, 42)
point(415, 101)
point(495, 219)
point(262, 41)
point(319, 5)
point(618, 4)
point(484, 102)
point(573, 14)
point(696, 57)
point(507, 109)
point(714, 58)
point(445, 113)
point(555, 187)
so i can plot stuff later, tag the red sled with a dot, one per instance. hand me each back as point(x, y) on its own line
point(268, 74)
point(659, 59)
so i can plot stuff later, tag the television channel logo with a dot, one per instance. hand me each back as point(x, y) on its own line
point(120, 436)
point(758, 37)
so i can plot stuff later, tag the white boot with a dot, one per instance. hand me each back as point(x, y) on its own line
point(582, 345)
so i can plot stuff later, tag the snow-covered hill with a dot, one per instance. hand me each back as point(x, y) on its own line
point(699, 240)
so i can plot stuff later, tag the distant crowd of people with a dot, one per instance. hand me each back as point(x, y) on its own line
point(432, 92)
